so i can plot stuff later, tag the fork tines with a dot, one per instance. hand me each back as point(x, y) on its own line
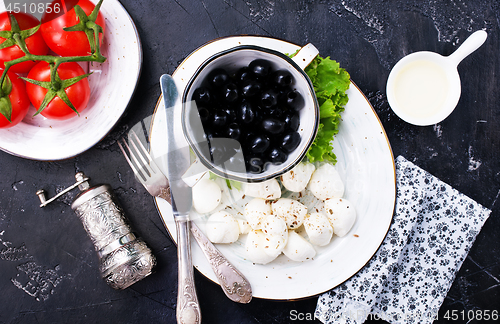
point(140, 161)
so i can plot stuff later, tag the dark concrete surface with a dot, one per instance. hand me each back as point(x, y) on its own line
point(48, 266)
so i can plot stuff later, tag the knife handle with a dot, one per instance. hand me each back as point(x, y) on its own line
point(188, 308)
point(233, 282)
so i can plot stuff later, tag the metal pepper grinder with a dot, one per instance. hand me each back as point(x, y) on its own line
point(124, 258)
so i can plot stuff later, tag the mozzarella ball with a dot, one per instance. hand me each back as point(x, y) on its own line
point(297, 179)
point(342, 215)
point(255, 248)
point(298, 248)
point(274, 225)
point(243, 225)
point(292, 211)
point(222, 227)
point(269, 189)
point(255, 211)
point(326, 183)
point(207, 196)
point(318, 229)
point(274, 244)
point(276, 232)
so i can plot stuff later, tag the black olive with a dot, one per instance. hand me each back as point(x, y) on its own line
point(218, 154)
point(290, 141)
point(218, 77)
point(273, 126)
point(230, 92)
point(250, 88)
point(276, 156)
point(202, 95)
point(282, 78)
point(204, 115)
point(294, 100)
point(233, 131)
point(269, 98)
point(255, 165)
point(231, 115)
point(246, 112)
point(243, 74)
point(235, 163)
point(219, 118)
point(216, 132)
point(215, 153)
point(208, 134)
point(258, 143)
point(260, 68)
point(246, 135)
point(222, 149)
point(275, 112)
point(292, 121)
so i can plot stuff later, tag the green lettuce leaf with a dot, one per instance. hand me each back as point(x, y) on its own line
point(330, 83)
point(230, 183)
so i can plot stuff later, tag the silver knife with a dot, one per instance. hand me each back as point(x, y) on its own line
point(178, 160)
point(234, 284)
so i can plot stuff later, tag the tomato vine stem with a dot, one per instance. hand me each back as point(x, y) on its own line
point(86, 24)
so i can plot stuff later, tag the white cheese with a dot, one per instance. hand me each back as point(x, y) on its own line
point(318, 229)
point(298, 248)
point(292, 211)
point(269, 189)
point(326, 183)
point(255, 211)
point(342, 215)
point(243, 225)
point(222, 227)
point(256, 248)
point(297, 179)
point(206, 196)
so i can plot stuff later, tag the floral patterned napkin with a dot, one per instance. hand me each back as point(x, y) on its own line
point(406, 281)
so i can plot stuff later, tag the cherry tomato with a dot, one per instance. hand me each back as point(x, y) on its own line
point(35, 43)
point(68, 43)
point(78, 93)
point(18, 99)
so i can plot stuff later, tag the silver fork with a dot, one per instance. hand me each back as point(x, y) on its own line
point(232, 281)
point(147, 172)
point(145, 168)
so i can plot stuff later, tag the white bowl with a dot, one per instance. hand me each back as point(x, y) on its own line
point(112, 85)
point(232, 60)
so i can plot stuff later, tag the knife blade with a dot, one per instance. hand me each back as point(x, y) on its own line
point(178, 160)
point(177, 149)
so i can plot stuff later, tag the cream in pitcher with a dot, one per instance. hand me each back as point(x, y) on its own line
point(421, 88)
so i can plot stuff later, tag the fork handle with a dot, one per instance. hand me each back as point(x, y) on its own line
point(233, 282)
point(188, 308)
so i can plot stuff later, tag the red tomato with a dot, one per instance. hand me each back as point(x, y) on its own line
point(19, 101)
point(78, 93)
point(35, 43)
point(71, 43)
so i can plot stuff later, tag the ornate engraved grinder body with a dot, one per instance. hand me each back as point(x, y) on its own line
point(124, 258)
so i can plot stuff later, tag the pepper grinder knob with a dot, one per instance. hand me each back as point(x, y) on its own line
point(83, 180)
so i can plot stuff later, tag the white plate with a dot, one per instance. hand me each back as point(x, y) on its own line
point(112, 85)
point(366, 164)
